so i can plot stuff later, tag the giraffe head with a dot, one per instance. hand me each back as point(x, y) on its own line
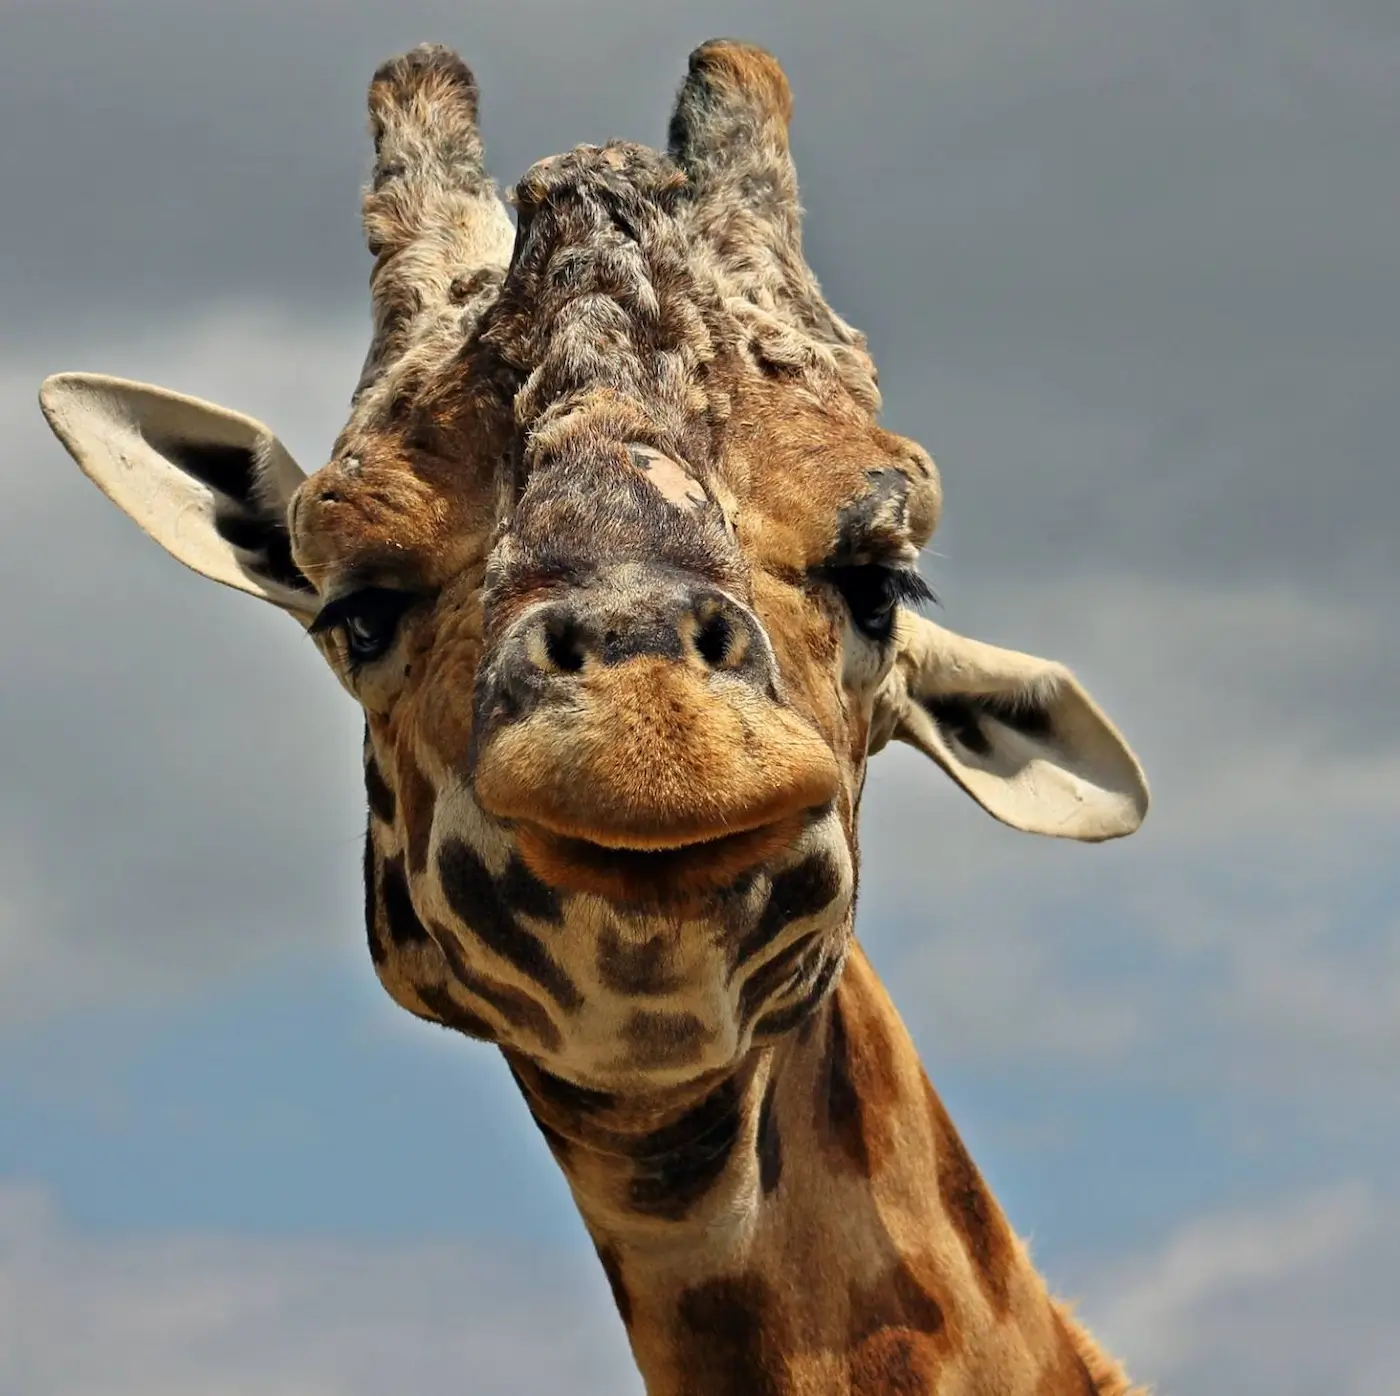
point(612, 551)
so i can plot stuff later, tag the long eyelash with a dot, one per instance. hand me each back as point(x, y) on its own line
point(336, 612)
point(330, 615)
point(910, 588)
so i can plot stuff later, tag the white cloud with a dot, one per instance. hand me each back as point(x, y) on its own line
point(214, 1316)
point(1293, 1299)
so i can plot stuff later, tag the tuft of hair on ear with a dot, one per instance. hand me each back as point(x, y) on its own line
point(249, 502)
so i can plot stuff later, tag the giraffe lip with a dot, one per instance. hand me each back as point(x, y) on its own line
point(657, 872)
point(657, 836)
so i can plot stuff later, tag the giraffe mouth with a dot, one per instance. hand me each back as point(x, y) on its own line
point(670, 877)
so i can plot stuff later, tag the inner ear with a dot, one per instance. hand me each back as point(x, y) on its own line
point(245, 514)
point(210, 485)
point(1017, 733)
point(972, 720)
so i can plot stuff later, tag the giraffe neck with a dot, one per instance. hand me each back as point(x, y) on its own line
point(811, 1224)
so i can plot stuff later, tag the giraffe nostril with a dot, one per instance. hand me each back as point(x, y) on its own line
point(717, 634)
point(561, 646)
point(564, 645)
point(712, 639)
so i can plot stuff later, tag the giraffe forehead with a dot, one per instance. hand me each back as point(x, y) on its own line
point(608, 375)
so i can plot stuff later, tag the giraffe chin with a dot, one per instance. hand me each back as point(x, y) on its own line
point(678, 880)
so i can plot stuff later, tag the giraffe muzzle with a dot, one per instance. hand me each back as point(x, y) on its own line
point(645, 748)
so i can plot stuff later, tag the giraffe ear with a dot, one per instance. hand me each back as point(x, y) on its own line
point(1019, 734)
point(211, 486)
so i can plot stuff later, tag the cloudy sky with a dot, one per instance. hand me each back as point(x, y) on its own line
point(1131, 269)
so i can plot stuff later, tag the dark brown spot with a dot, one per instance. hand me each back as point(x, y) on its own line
point(843, 1105)
point(517, 1009)
point(971, 1208)
point(861, 1086)
point(898, 1300)
point(417, 798)
point(783, 1020)
point(522, 891)
point(897, 1334)
point(577, 1101)
point(775, 975)
point(797, 892)
point(770, 1147)
point(612, 1268)
point(664, 1039)
point(894, 1364)
point(404, 926)
point(679, 1163)
point(381, 798)
point(451, 1014)
point(558, 1145)
point(725, 1340)
point(473, 896)
point(378, 952)
point(633, 969)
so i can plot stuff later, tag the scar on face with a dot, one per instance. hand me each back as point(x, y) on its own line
point(675, 485)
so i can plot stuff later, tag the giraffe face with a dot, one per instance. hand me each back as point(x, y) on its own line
point(610, 552)
point(619, 669)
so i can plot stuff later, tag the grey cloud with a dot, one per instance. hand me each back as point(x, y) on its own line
point(1130, 270)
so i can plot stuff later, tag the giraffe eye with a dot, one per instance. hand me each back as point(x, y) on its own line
point(368, 618)
point(872, 592)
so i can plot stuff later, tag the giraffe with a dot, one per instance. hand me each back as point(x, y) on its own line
point(621, 569)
